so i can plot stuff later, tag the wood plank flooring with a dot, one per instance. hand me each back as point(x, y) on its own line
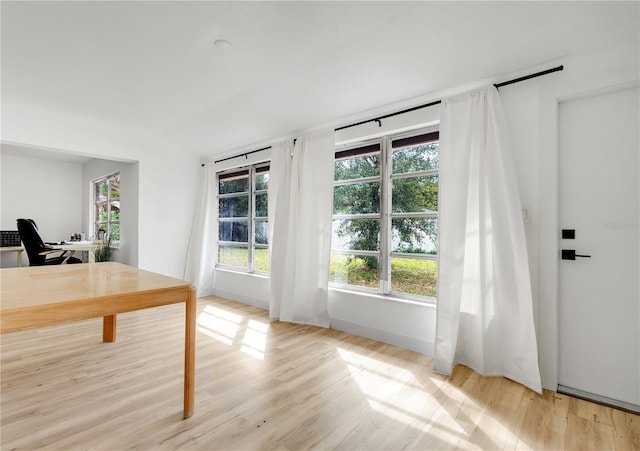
point(263, 385)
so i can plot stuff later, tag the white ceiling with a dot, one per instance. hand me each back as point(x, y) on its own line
point(152, 66)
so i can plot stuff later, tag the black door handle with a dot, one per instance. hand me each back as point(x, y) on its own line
point(570, 254)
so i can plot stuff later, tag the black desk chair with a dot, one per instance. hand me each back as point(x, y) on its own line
point(37, 250)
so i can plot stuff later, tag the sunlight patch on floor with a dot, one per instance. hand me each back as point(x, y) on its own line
point(229, 328)
point(390, 390)
point(396, 393)
point(218, 324)
point(254, 342)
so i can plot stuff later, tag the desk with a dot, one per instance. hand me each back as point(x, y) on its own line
point(18, 249)
point(40, 296)
point(88, 247)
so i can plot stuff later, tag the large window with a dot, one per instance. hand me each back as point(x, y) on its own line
point(385, 215)
point(243, 229)
point(106, 198)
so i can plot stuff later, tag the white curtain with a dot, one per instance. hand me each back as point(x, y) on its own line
point(485, 311)
point(201, 248)
point(300, 208)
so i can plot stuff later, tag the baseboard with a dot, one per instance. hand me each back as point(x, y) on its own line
point(599, 399)
point(385, 336)
point(362, 330)
point(259, 303)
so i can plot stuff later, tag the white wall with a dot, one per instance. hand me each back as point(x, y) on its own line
point(531, 109)
point(407, 324)
point(167, 199)
point(250, 289)
point(127, 251)
point(584, 74)
point(47, 191)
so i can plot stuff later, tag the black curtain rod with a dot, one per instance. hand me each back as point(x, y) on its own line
point(436, 102)
point(419, 107)
point(242, 154)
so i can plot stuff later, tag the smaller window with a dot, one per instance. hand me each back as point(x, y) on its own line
point(106, 217)
point(243, 228)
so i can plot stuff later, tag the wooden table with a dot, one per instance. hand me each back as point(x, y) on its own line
point(40, 296)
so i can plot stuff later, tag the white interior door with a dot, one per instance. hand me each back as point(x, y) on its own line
point(599, 326)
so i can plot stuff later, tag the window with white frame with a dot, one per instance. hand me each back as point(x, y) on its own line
point(243, 228)
point(385, 215)
point(106, 201)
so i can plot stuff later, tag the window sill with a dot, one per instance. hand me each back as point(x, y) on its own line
point(240, 271)
point(428, 302)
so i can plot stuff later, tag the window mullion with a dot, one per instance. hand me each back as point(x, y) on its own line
point(352, 252)
point(252, 215)
point(420, 215)
point(355, 181)
point(108, 207)
point(356, 216)
point(385, 217)
point(407, 175)
point(234, 219)
point(237, 194)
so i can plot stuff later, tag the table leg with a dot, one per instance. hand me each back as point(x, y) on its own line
point(190, 354)
point(109, 328)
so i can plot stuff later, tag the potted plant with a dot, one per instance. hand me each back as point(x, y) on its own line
point(104, 252)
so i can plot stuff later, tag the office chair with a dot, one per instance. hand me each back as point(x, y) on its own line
point(37, 250)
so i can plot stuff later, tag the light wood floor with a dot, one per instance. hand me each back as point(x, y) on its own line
point(262, 385)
